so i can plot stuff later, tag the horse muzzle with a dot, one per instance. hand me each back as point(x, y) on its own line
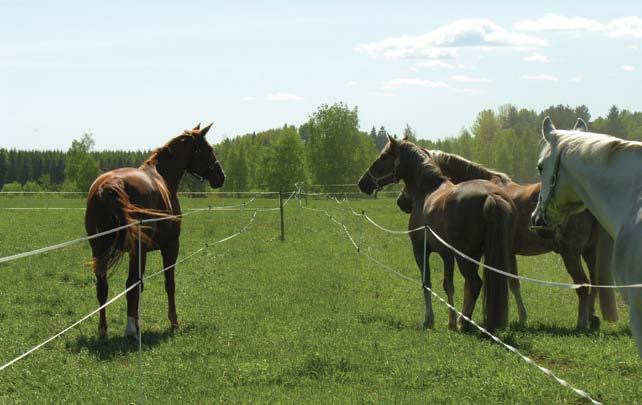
point(366, 185)
point(541, 227)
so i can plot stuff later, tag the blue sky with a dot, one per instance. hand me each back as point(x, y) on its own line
point(137, 73)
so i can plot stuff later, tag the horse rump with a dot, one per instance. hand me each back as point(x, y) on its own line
point(500, 226)
point(108, 207)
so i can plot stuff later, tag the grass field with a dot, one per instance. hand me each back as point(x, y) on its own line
point(307, 320)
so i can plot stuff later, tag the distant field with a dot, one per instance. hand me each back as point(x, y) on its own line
point(307, 320)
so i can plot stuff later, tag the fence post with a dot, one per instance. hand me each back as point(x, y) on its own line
point(138, 321)
point(281, 209)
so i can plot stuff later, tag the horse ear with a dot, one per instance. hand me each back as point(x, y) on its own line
point(547, 129)
point(391, 139)
point(580, 126)
point(405, 137)
point(197, 127)
point(205, 130)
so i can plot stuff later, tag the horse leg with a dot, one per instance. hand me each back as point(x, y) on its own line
point(133, 296)
point(449, 288)
point(574, 268)
point(472, 288)
point(590, 259)
point(514, 285)
point(102, 290)
point(170, 254)
point(418, 250)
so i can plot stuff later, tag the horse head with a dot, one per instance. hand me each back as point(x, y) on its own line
point(404, 202)
point(557, 200)
point(202, 162)
point(384, 170)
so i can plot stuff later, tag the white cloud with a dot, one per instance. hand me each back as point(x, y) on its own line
point(623, 27)
point(282, 97)
point(560, 23)
point(469, 91)
point(468, 79)
point(249, 98)
point(626, 27)
point(537, 57)
point(575, 79)
point(380, 94)
point(543, 78)
point(437, 64)
point(352, 83)
point(628, 68)
point(395, 84)
point(444, 42)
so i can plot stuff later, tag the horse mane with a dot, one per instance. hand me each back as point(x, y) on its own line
point(593, 146)
point(152, 160)
point(167, 148)
point(429, 175)
point(458, 169)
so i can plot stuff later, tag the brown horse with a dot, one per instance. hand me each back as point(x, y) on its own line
point(129, 195)
point(476, 216)
point(581, 237)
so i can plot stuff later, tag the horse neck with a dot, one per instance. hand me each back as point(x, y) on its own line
point(170, 170)
point(458, 169)
point(608, 190)
point(419, 176)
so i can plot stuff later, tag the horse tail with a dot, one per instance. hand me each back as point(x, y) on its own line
point(604, 275)
point(499, 217)
point(109, 207)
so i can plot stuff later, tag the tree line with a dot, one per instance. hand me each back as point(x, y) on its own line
point(327, 149)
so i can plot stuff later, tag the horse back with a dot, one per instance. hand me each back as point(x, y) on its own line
point(142, 194)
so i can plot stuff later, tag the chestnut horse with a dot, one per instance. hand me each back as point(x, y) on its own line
point(578, 238)
point(129, 195)
point(476, 216)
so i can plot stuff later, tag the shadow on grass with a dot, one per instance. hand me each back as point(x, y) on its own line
point(561, 331)
point(388, 320)
point(114, 346)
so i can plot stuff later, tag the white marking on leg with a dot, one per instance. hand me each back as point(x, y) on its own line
point(131, 330)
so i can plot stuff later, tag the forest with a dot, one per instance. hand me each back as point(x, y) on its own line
point(329, 148)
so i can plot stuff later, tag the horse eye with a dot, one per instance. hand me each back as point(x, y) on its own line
point(539, 167)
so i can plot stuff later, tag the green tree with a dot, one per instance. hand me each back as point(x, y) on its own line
point(338, 152)
point(410, 134)
point(80, 166)
point(614, 125)
point(4, 163)
point(485, 129)
point(284, 164)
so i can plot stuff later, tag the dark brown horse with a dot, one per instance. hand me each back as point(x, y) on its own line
point(581, 237)
point(476, 216)
point(404, 202)
point(129, 195)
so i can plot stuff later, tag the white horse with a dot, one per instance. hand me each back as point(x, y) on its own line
point(581, 170)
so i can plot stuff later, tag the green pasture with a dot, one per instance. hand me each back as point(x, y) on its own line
point(306, 320)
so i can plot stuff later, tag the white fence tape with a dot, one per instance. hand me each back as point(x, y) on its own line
point(64, 244)
point(528, 360)
point(504, 273)
point(119, 295)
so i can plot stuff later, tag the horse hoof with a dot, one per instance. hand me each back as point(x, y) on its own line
point(102, 333)
point(452, 325)
point(467, 327)
point(428, 324)
point(594, 322)
point(132, 329)
point(582, 326)
point(174, 326)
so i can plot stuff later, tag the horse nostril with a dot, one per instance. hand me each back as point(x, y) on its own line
point(539, 221)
